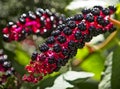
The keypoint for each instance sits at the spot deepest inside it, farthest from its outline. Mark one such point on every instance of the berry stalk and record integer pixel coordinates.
(66, 39)
(115, 22)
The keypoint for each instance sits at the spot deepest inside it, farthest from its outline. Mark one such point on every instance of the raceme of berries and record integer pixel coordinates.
(6, 69)
(66, 39)
(41, 22)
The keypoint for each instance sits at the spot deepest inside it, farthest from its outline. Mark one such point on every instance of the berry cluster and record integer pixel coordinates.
(66, 39)
(41, 22)
(6, 69)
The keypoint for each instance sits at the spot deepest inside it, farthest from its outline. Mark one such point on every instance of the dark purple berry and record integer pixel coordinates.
(50, 40)
(80, 44)
(61, 39)
(82, 26)
(95, 11)
(100, 20)
(87, 37)
(92, 29)
(56, 33)
(34, 55)
(86, 11)
(78, 35)
(59, 62)
(71, 45)
(89, 17)
(51, 60)
(78, 17)
(99, 7)
(99, 31)
(57, 48)
(112, 8)
(72, 53)
(67, 31)
(71, 24)
(106, 11)
(65, 52)
(69, 19)
(61, 27)
(44, 47)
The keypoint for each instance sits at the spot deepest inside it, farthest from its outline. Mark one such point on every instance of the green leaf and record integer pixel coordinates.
(115, 81)
(95, 64)
(74, 77)
(81, 53)
(106, 77)
(66, 79)
(22, 57)
(60, 83)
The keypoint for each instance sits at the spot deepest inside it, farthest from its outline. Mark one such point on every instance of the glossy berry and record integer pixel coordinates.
(57, 48)
(59, 62)
(106, 11)
(82, 26)
(51, 60)
(61, 39)
(50, 40)
(78, 35)
(34, 55)
(80, 44)
(67, 38)
(67, 31)
(95, 11)
(55, 32)
(112, 8)
(61, 27)
(89, 18)
(100, 20)
(71, 24)
(99, 7)
(86, 11)
(78, 17)
(65, 52)
(71, 45)
(43, 47)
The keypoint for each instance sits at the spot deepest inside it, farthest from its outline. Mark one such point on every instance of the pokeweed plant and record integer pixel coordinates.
(68, 35)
